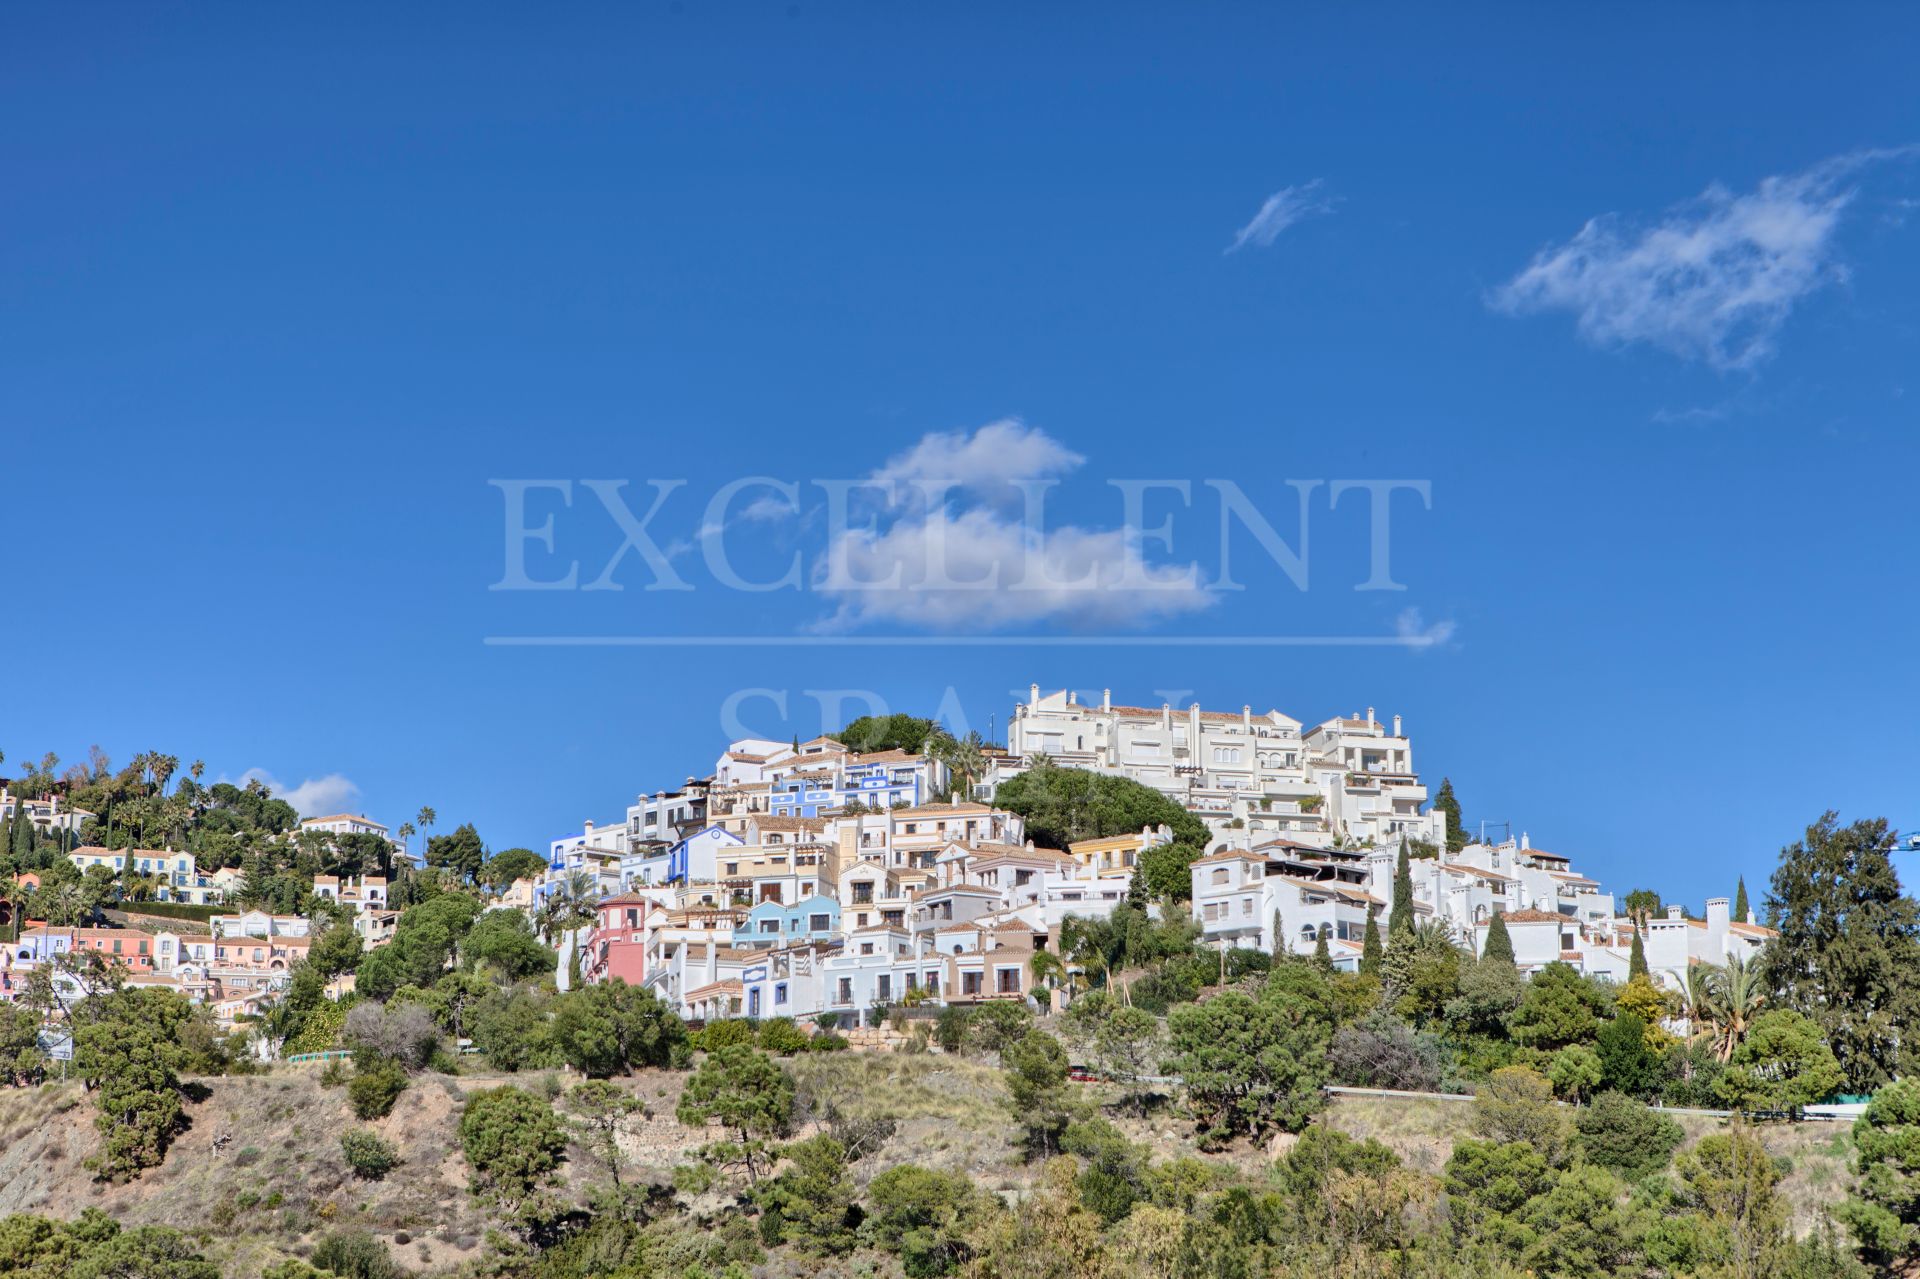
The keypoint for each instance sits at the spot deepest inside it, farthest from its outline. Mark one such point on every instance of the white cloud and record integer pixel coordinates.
(1714, 279)
(314, 797)
(1412, 628)
(976, 566)
(1282, 209)
(986, 462)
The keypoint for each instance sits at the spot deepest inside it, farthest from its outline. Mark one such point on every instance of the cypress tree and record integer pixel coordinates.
(1637, 959)
(1279, 942)
(1499, 942)
(1400, 919)
(1740, 903)
(1372, 951)
(1444, 801)
(1321, 955)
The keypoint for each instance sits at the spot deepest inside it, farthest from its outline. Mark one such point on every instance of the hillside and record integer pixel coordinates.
(259, 1175)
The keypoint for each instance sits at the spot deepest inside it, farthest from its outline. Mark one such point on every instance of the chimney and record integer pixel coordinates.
(1033, 694)
(1396, 727)
(1674, 912)
(1106, 699)
(1719, 915)
(1246, 719)
(1526, 844)
(1369, 717)
(1166, 717)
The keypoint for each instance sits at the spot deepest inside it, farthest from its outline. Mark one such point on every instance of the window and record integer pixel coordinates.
(933, 982)
(883, 988)
(1220, 875)
(1007, 981)
(818, 923)
(779, 994)
(846, 991)
(970, 983)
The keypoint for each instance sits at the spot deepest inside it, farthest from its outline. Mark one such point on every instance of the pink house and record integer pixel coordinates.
(617, 944)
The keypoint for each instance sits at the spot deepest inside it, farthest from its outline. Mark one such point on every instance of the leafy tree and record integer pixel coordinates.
(127, 1047)
(1783, 1065)
(1036, 1067)
(600, 1109)
(1627, 1064)
(1623, 1134)
(1516, 1105)
(1575, 1072)
(1884, 1212)
(95, 1246)
(502, 942)
(402, 1033)
(1400, 913)
(1371, 951)
(871, 733)
(460, 852)
(425, 943)
(512, 1027)
(1127, 1045)
(1444, 801)
(336, 950)
(369, 1155)
(1062, 805)
(923, 1217)
(1848, 953)
(21, 1061)
(1166, 871)
(499, 871)
(1499, 943)
(513, 1142)
(1561, 1007)
(810, 1204)
(748, 1094)
(1250, 1064)
(1488, 992)
(612, 1028)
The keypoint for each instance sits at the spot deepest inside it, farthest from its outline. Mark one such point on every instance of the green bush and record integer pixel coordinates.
(729, 1033)
(370, 1157)
(1618, 1132)
(373, 1092)
(783, 1037)
(355, 1254)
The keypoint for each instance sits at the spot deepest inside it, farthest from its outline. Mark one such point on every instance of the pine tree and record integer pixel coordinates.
(1740, 903)
(1444, 801)
(1400, 919)
(1499, 942)
(1372, 951)
(1637, 958)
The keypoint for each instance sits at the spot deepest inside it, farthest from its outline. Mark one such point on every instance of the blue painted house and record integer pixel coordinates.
(815, 919)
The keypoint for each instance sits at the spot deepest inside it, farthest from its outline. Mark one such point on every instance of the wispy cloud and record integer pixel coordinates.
(314, 797)
(1412, 627)
(1714, 279)
(1282, 209)
(974, 563)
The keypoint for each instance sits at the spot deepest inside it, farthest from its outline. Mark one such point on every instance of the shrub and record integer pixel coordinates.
(513, 1141)
(950, 1029)
(1384, 1052)
(829, 1042)
(370, 1157)
(373, 1092)
(729, 1033)
(783, 1037)
(1618, 1132)
(355, 1254)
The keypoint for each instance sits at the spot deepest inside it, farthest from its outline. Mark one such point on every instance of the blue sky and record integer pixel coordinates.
(281, 294)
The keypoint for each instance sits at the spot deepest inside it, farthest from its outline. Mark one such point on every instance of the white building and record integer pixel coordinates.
(1349, 780)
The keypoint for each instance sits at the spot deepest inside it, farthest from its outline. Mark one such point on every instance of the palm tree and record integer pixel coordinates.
(1697, 1002)
(198, 767)
(425, 818)
(406, 832)
(1047, 969)
(1738, 993)
(164, 767)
